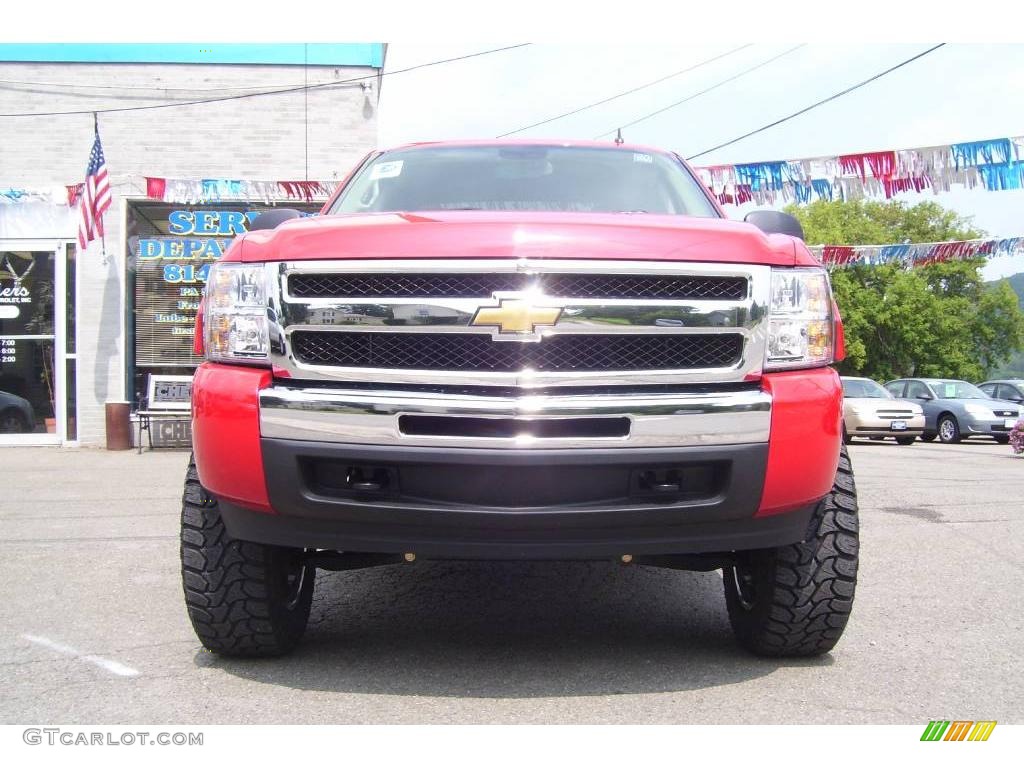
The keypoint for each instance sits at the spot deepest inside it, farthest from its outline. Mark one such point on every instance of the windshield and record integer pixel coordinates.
(950, 389)
(524, 178)
(864, 388)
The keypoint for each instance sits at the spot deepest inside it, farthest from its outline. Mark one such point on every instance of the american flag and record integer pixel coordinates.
(95, 198)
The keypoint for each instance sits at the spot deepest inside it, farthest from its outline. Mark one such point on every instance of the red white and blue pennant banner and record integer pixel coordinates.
(212, 190)
(916, 254)
(185, 191)
(992, 164)
(51, 195)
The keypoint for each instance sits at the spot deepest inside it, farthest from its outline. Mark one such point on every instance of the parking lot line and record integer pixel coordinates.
(114, 667)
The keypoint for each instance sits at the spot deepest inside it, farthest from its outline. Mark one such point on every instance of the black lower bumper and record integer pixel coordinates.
(512, 504)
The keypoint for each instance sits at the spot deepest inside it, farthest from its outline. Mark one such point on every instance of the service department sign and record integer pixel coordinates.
(171, 249)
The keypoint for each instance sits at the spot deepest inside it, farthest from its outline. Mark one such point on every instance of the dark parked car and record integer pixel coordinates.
(16, 414)
(1011, 390)
(954, 409)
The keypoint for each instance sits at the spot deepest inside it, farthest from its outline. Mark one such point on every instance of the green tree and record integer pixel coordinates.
(935, 320)
(986, 316)
(1014, 367)
(868, 222)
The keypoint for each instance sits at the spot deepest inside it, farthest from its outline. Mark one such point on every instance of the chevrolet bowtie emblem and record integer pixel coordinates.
(516, 316)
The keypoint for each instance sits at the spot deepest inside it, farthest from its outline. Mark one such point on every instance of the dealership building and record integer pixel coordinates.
(197, 140)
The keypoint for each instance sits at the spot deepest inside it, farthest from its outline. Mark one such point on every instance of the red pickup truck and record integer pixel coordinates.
(519, 350)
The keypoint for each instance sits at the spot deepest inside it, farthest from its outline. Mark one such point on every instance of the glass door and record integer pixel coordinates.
(33, 284)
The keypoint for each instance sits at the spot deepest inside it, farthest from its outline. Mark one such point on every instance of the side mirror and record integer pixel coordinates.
(926, 397)
(270, 219)
(775, 223)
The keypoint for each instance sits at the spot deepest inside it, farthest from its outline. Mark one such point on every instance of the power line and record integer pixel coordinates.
(291, 89)
(97, 86)
(140, 95)
(625, 93)
(710, 88)
(819, 103)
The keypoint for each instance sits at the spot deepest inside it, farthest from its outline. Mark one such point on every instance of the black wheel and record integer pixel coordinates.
(927, 437)
(1002, 439)
(244, 599)
(796, 600)
(13, 421)
(908, 440)
(846, 435)
(949, 430)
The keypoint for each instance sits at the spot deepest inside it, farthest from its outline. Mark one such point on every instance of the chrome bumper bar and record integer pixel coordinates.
(654, 420)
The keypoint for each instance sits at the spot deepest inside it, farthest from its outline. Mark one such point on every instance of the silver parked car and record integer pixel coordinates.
(870, 411)
(1011, 390)
(955, 409)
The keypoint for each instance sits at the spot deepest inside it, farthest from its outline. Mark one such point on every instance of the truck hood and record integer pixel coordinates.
(519, 235)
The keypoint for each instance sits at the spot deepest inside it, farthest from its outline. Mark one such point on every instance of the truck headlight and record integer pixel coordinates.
(235, 319)
(979, 411)
(800, 322)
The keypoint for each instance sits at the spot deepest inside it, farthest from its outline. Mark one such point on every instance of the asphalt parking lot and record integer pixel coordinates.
(93, 628)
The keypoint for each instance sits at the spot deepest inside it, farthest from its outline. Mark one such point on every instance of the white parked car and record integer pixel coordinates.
(870, 411)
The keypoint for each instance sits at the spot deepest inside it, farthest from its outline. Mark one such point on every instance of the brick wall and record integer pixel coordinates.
(263, 137)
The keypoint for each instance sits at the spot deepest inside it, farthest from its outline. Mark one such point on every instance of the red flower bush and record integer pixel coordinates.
(1017, 437)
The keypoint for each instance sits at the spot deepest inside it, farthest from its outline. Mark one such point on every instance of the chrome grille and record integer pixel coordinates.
(426, 285)
(476, 352)
(620, 322)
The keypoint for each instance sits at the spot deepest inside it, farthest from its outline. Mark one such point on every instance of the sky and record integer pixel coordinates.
(961, 92)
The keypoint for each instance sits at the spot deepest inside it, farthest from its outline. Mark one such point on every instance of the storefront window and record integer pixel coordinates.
(71, 263)
(27, 372)
(170, 249)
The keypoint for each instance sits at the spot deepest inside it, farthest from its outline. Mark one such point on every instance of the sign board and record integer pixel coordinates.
(169, 393)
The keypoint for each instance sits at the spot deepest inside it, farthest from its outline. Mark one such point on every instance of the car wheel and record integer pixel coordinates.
(244, 599)
(846, 435)
(1002, 439)
(949, 430)
(796, 600)
(905, 440)
(12, 422)
(927, 437)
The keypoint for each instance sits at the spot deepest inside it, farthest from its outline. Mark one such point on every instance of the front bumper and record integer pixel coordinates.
(493, 474)
(500, 418)
(987, 427)
(872, 426)
(514, 503)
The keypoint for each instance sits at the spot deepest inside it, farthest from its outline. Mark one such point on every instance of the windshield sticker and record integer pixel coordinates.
(950, 391)
(387, 170)
(640, 157)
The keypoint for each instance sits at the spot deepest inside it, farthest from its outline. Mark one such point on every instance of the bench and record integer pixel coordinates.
(168, 399)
